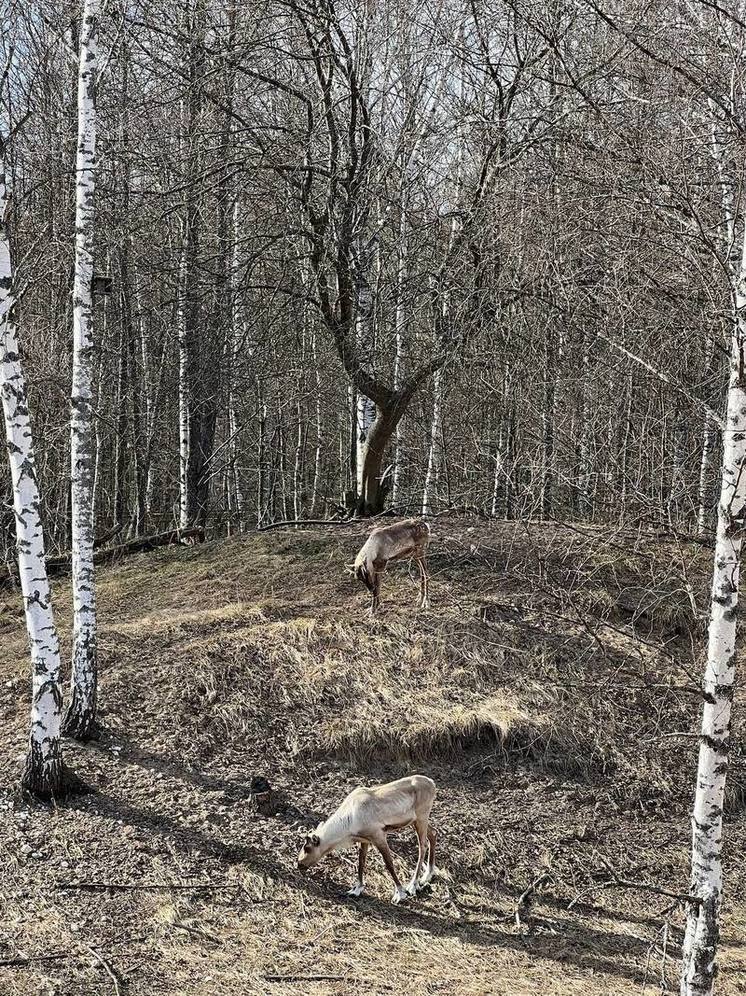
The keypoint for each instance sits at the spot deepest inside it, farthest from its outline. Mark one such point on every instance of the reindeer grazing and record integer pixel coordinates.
(366, 817)
(405, 540)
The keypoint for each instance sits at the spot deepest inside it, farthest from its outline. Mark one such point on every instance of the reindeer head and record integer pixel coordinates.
(310, 854)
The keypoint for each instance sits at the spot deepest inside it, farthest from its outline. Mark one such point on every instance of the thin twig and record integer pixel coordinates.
(107, 968)
(710, 412)
(308, 978)
(545, 876)
(144, 887)
(625, 883)
(30, 959)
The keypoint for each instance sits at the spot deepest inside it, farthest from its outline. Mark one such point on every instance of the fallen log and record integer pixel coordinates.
(62, 563)
(100, 541)
(305, 522)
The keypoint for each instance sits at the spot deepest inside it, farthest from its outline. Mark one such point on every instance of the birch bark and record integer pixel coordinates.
(366, 409)
(401, 274)
(80, 718)
(702, 927)
(435, 455)
(43, 771)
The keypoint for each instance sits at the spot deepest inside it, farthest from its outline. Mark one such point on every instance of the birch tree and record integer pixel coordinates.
(80, 718)
(702, 927)
(329, 152)
(43, 774)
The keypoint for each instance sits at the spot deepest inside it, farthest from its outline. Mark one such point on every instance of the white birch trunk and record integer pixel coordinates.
(433, 458)
(43, 773)
(366, 409)
(80, 718)
(401, 276)
(184, 398)
(319, 434)
(298, 463)
(704, 510)
(237, 332)
(702, 928)
(585, 502)
(498, 472)
(718, 149)
(436, 428)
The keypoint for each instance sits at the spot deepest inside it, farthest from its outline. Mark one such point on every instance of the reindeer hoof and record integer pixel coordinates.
(399, 895)
(426, 878)
(356, 890)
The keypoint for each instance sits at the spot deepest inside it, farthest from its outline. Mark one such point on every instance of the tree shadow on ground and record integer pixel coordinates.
(552, 936)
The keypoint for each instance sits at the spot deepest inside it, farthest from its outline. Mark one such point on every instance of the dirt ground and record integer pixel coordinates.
(549, 691)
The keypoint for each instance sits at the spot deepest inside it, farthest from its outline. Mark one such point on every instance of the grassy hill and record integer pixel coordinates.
(550, 691)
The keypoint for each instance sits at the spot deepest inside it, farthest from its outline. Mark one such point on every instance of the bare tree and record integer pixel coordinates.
(43, 774)
(80, 717)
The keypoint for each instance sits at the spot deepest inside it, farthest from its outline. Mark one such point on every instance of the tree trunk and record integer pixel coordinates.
(704, 490)
(237, 329)
(80, 718)
(401, 276)
(585, 501)
(43, 772)
(260, 456)
(547, 431)
(371, 496)
(366, 409)
(702, 927)
(626, 446)
(191, 397)
(434, 452)
(132, 341)
(318, 428)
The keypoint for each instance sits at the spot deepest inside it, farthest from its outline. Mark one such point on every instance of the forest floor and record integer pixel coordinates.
(550, 691)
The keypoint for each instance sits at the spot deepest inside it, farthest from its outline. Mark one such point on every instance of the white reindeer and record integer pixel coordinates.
(366, 817)
(405, 540)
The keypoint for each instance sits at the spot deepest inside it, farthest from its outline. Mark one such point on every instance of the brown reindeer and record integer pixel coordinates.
(366, 817)
(405, 540)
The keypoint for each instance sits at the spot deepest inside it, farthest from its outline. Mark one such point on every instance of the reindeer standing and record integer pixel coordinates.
(366, 817)
(405, 540)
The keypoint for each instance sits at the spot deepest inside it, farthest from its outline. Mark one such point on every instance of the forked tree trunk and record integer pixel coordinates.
(703, 916)
(80, 718)
(371, 496)
(43, 772)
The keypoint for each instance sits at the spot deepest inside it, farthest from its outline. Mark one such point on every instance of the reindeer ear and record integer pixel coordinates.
(315, 839)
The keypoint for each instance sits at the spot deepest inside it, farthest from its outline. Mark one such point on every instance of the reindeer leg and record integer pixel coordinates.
(362, 855)
(383, 846)
(376, 603)
(424, 586)
(420, 828)
(430, 870)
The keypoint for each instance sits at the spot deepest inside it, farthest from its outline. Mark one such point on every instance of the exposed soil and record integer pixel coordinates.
(550, 692)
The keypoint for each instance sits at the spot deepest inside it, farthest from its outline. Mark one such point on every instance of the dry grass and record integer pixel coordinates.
(547, 692)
